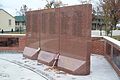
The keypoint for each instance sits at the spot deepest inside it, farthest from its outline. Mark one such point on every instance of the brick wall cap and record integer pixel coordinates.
(12, 34)
(113, 41)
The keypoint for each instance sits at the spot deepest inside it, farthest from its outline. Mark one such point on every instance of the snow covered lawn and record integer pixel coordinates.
(15, 67)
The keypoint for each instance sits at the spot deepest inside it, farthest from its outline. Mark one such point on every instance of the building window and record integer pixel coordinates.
(16, 23)
(9, 21)
(23, 23)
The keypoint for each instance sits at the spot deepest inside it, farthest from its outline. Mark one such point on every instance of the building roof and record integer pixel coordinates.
(6, 12)
(20, 18)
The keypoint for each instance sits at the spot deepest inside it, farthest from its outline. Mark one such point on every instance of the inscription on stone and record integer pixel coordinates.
(44, 16)
(77, 29)
(52, 23)
(64, 23)
(34, 23)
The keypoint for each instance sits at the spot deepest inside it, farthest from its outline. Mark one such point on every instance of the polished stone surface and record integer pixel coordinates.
(65, 31)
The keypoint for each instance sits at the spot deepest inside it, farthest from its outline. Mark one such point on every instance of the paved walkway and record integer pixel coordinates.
(15, 67)
(11, 71)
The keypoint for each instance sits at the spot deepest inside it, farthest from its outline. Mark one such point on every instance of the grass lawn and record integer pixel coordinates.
(116, 37)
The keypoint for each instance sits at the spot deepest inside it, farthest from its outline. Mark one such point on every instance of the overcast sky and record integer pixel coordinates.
(12, 6)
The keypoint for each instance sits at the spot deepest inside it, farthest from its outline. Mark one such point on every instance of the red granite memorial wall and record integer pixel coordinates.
(50, 39)
(75, 37)
(65, 31)
(50, 31)
(33, 29)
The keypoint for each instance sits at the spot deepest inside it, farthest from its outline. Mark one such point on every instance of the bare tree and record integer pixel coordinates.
(49, 4)
(54, 4)
(57, 4)
(111, 13)
(85, 1)
(93, 14)
(23, 9)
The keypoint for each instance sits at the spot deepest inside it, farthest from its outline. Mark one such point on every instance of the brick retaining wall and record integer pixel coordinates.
(98, 46)
(21, 43)
(108, 47)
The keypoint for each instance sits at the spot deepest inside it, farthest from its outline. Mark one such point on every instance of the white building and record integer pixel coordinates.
(7, 21)
(20, 23)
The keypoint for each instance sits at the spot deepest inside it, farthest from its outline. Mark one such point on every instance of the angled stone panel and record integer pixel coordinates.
(31, 53)
(46, 57)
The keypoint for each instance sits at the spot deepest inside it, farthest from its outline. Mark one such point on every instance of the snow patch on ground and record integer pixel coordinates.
(26, 69)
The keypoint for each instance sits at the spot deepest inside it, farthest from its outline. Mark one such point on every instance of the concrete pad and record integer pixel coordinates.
(10, 71)
(100, 69)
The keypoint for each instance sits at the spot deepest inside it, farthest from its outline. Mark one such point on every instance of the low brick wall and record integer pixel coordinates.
(112, 53)
(108, 47)
(98, 46)
(21, 42)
